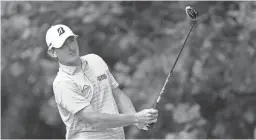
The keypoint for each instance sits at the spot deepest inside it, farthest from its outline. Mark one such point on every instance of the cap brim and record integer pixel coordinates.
(62, 41)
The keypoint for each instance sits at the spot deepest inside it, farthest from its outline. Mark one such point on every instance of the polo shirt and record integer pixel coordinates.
(75, 88)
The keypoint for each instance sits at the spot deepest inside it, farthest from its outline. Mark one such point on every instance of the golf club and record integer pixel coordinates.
(192, 14)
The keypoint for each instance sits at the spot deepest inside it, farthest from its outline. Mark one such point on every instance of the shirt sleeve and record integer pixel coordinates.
(101, 64)
(114, 84)
(71, 98)
(112, 80)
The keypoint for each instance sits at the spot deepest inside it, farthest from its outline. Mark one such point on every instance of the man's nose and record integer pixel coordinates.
(71, 48)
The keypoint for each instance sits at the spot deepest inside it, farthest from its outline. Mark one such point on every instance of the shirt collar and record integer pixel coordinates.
(71, 69)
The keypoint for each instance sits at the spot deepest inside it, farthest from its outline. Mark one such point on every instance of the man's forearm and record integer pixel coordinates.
(125, 105)
(123, 102)
(105, 120)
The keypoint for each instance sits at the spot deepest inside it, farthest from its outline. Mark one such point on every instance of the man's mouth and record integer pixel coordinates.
(72, 53)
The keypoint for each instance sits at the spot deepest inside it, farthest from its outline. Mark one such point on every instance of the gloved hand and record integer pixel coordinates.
(141, 126)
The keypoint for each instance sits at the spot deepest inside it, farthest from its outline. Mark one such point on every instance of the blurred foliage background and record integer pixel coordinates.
(212, 91)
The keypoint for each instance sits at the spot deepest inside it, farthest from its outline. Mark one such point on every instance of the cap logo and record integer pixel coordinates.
(60, 31)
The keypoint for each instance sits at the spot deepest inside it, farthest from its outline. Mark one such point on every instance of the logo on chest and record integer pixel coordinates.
(86, 91)
(102, 77)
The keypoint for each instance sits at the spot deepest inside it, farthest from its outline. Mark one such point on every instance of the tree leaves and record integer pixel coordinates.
(184, 113)
(16, 69)
(49, 112)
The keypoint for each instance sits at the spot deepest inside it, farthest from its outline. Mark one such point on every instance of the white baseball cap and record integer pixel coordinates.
(57, 34)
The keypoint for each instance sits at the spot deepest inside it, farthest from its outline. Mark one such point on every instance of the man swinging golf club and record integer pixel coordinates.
(88, 98)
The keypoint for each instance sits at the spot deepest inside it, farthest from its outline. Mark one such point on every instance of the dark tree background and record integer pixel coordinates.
(212, 93)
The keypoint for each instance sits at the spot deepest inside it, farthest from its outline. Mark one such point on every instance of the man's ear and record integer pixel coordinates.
(52, 53)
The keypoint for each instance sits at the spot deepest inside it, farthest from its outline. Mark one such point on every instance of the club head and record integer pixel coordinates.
(192, 13)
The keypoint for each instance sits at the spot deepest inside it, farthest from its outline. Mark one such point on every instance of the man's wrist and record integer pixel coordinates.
(135, 118)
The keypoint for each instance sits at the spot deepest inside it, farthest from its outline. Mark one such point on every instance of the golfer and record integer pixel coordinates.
(88, 98)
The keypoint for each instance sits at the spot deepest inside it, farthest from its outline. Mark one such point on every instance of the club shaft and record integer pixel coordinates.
(170, 73)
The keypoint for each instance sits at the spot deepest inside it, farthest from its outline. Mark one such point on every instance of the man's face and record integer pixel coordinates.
(69, 52)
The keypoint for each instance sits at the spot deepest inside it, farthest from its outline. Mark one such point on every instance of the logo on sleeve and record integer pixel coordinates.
(102, 77)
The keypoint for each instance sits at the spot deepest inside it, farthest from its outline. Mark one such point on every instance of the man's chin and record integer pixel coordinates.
(75, 58)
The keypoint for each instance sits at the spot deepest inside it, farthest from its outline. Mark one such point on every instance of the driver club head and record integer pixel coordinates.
(192, 13)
